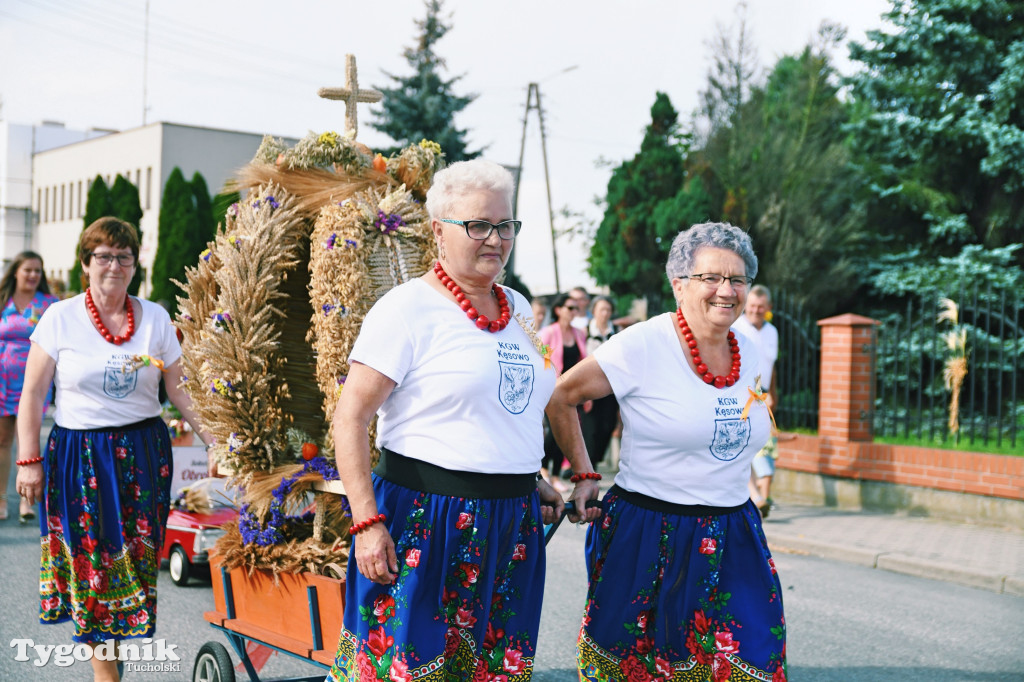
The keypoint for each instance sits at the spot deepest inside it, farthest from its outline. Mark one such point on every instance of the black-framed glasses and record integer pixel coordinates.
(481, 229)
(714, 280)
(123, 259)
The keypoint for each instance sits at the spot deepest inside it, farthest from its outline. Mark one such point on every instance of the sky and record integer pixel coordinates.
(256, 66)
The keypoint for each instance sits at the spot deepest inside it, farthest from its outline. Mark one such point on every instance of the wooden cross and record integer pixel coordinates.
(351, 95)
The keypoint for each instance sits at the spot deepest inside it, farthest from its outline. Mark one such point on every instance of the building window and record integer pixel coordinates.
(149, 187)
(39, 204)
(53, 209)
(138, 179)
(79, 198)
(62, 190)
(46, 205)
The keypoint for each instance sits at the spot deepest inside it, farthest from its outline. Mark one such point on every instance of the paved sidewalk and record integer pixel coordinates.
(977, 556)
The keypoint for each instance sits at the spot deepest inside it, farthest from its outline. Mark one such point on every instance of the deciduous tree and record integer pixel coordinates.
(939, 125)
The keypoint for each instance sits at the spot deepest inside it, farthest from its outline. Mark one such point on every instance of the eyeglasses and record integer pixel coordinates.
(714, 280)
(123, 259)
(481, 229)
(570, 307)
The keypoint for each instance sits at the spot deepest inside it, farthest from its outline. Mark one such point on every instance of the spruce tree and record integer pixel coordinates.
(221, 203)
(177, 220)
(423, 104)
(126, 206)
(205, 226)
(98, 203)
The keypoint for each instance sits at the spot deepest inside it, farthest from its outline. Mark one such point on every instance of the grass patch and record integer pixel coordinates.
(963, 445)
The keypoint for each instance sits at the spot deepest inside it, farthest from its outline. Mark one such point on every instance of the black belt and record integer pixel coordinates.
(430, 478)
(134, 426)
(656, 505)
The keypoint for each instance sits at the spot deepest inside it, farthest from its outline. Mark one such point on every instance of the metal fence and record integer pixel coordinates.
(911, 399)
(796, 369)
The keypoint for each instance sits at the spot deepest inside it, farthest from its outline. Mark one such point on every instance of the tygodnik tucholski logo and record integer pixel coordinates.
(145, 655)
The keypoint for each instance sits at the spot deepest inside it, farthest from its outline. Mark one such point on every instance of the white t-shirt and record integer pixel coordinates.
(466, 399)
(683, 440)
(92, 389)
(767, 340)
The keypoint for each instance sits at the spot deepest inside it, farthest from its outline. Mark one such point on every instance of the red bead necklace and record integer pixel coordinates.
(479, 320)
(702, 369)
(98, 321)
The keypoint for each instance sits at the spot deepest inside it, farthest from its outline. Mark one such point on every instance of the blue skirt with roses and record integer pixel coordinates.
(680, 593)
(467, 601)
(101, 521)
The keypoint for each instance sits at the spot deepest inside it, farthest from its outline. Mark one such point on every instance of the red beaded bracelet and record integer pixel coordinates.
(363, 525)
(25, 462)
(593, 476)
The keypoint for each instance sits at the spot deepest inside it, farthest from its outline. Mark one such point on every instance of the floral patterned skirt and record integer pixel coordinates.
(680, 596)
(101, 522)
(467, 600)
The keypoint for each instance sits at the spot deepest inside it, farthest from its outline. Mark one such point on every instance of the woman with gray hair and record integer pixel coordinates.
(681, 579)
(446, 572)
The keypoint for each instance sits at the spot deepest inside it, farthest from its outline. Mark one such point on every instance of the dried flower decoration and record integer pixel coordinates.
(221, 386)
(137, 362)
(955, 370)
(388, 222)
(221, 318)
(531, 331)
(328, 138)
(430, 146)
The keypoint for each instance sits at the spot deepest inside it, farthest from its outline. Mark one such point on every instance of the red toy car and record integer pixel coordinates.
(190, 534)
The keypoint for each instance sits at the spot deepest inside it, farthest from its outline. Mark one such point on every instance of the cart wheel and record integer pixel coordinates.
(179, 566)
(213, 664)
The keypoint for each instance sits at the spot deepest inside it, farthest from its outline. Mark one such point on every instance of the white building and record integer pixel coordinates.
(145, 156)
(18, 145)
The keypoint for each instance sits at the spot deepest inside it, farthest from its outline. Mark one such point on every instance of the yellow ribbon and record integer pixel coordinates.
(758, 397)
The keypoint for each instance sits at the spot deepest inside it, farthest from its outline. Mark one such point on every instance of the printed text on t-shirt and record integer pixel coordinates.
(511, 351)
(731, 411)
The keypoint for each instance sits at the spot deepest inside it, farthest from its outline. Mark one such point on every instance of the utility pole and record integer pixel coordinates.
(533, 102)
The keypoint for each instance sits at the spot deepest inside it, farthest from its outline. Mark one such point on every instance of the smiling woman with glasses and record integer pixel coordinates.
(448, 548)
(103, 481)
(681, 577)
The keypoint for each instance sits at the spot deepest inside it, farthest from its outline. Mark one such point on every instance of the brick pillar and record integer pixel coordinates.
(846, 388)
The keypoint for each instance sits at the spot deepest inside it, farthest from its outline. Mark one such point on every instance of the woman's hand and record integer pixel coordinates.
(375, 554)
(585, 491)
(551, 503)
(30, 482)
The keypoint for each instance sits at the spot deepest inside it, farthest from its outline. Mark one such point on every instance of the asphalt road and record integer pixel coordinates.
(846, 622)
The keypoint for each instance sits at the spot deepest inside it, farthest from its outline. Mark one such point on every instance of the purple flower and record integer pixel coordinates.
(254, 533)
(329, 244)
(273, 202)
(350, 244)
(327, 308)
(388, 222)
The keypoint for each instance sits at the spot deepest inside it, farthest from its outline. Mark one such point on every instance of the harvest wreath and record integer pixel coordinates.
(268, 318)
